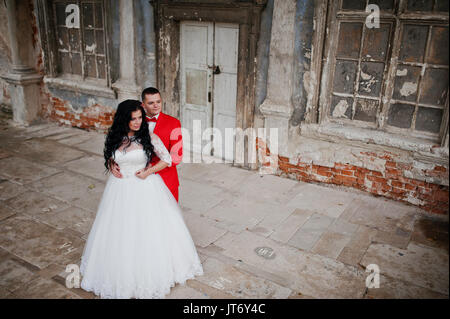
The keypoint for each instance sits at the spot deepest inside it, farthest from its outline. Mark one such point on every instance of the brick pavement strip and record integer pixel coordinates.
(321, 237)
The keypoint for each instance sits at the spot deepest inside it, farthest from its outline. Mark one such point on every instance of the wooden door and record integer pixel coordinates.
(209, 57)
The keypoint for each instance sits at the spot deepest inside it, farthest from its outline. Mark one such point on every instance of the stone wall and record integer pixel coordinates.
(5, 55)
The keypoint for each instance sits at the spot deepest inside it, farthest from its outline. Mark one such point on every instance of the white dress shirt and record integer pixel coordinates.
(151, 125)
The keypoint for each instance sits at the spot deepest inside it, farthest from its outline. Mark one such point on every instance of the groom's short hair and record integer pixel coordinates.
(150, 90)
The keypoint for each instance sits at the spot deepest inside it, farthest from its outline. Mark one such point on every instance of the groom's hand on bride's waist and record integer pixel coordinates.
(144, 172)
(115, 170)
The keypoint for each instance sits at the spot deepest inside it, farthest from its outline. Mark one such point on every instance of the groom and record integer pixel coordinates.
(168, 129)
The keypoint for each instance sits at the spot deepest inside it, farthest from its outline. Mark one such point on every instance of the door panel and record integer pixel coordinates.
(196, 49)
(226, 42)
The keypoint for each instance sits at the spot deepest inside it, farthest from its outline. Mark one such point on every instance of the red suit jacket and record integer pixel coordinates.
(168, 129)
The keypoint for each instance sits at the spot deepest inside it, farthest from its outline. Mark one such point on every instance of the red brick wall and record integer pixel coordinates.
(95, 117)
(432, 198)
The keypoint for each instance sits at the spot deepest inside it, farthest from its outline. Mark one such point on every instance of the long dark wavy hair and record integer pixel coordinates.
(120, 128)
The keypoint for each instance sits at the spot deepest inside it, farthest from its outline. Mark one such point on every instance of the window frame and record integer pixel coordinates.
(48, 30)
(398, 16)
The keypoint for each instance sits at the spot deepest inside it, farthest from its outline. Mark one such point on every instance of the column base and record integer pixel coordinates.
(25, 96)
(126, 90)
(276, 116)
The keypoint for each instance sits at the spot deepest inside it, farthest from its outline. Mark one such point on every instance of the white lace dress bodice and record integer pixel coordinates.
(131, 157)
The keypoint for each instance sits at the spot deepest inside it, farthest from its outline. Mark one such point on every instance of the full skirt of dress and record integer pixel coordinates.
(139, 245)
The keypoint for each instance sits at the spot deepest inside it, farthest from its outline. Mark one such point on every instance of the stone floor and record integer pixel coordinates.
(257, 236)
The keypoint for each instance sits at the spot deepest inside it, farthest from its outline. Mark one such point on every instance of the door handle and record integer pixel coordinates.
(209, 97)
(216, 69)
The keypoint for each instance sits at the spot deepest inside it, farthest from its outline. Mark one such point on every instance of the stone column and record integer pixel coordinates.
(277, 108)
(126, 86)
(24, 81)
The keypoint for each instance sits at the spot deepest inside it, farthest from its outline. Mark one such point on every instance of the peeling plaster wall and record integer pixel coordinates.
(114, 38)
(263, 60)
(302, 50)
(5, 54)
(146, 45)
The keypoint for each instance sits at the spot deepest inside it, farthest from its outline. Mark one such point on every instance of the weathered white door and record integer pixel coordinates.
(196, 53)
(208, 84)
(226, 39)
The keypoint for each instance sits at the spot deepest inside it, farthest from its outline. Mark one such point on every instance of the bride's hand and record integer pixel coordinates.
(143, 173)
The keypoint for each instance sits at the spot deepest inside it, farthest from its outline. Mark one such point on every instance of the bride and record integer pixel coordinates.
(139, 245)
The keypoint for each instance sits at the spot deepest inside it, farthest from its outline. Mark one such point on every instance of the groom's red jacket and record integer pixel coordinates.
(168, 129)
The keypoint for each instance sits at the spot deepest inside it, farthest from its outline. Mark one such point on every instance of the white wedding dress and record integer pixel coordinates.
(139, 245)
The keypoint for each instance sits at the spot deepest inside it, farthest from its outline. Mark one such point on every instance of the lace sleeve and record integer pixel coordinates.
(160, 149)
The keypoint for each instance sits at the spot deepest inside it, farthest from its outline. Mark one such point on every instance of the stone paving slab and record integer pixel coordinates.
(288, 227)
(47, 152)
(216, 252)
(62, 135)
(224, 176)
(310, 232)
(49, 132)
(268, 188)
(203, 232)
(208, 291)
(310, 274)
(354, 251)
(238, 284)
(74, 218)
(35, 203)
(92, 166)
(78, 138)
(38, 127)
(27, 131)
(396, 289)
(191, 171)
(38, 244)
(385, 216)
(331, 244)
(244, 213)
(343, 227)
(8, 190)
(311, 197)
(189, 196)
(419, 265)
(360, 205)
(42, 288)
(24, 171)
(6, 294)
(79, 190)
(218, 175)
(186, 292)
(94, 144)
(400, 238)
(13, 275)
(431, 232)
(4, 153)
(5, 211)
(271, 221)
